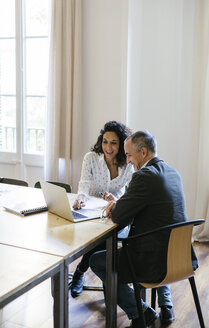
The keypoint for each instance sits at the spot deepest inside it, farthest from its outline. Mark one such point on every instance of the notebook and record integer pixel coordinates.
(58, 202)
(24, 201)
(23, 210)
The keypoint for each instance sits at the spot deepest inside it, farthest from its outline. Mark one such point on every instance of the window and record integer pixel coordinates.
(23, 75)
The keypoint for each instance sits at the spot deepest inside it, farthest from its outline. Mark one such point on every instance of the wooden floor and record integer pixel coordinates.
(34, 309)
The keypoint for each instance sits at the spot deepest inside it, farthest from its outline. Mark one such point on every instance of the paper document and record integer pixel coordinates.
(94, 203)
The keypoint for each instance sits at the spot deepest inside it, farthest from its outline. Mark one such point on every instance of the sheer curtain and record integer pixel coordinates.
(202, 45)
(64, 93)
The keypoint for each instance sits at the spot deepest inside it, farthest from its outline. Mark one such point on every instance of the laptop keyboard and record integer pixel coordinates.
(78, 216)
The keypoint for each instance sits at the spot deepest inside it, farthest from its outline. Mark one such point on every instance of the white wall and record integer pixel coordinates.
(160, 91)
(105, 28)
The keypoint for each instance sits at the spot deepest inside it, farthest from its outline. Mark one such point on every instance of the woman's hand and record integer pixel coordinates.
(108, 196)
(80, 202)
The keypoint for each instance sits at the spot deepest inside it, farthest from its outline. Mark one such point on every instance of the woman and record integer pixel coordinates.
(104, 171)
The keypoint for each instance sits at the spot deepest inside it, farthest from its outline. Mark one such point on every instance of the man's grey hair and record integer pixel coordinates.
(143, 139)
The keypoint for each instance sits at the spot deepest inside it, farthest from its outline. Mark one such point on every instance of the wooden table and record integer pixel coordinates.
(50, 234)
(23, 269)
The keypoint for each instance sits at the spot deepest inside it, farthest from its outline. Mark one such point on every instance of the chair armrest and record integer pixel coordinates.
(167, 227)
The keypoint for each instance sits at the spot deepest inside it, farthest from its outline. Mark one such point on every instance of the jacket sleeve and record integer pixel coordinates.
(132, 202)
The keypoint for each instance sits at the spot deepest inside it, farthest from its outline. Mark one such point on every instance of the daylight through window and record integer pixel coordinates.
(23, 74)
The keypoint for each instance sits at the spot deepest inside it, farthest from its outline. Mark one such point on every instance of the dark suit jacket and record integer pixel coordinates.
(154, 198)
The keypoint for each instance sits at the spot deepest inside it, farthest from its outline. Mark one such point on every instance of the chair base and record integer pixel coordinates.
(95, 288)
(195, 296)
(197, 302)
(98, 288)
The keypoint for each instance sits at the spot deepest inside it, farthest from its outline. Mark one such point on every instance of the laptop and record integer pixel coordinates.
(58, 202)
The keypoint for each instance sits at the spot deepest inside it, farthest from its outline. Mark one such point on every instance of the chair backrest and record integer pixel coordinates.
(67, 186)
(179, 261)
(179, 252)
(14, 181)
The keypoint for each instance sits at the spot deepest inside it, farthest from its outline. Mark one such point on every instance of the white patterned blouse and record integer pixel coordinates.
(95, 177)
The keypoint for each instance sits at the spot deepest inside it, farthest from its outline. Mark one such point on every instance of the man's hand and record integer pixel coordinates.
(108, 196)
(109, 207)
(79, 202)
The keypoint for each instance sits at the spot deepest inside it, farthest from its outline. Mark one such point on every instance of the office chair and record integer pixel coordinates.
(13, 181)
(67, 186)
(179, 264)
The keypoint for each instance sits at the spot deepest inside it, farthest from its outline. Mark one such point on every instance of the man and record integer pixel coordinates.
(154, 198)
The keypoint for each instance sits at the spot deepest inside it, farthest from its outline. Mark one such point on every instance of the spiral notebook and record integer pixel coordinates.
(24, 209)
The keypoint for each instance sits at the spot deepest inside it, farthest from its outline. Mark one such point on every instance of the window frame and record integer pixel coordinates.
(20, 156)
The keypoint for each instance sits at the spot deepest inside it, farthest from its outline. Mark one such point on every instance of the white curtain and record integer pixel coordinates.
(64, 93)
(201, 233)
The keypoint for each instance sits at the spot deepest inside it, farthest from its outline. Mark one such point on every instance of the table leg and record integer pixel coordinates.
(66, 320)
(58, 293)
(111, 282)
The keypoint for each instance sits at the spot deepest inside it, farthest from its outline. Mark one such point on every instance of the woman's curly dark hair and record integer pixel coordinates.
(122, 132)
